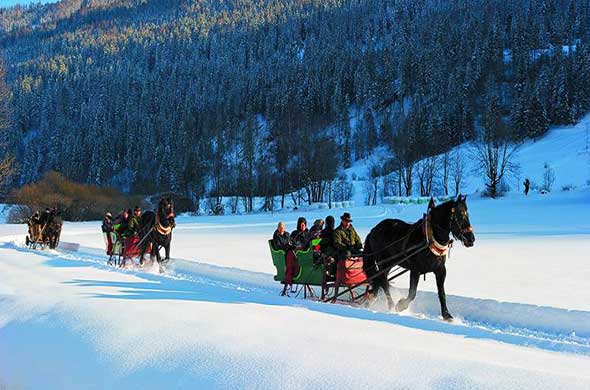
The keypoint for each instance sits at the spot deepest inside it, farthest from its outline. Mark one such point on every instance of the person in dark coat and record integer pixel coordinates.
(122, 222)
(527, 185)
(107, 223)
(327, 246)
(346, 239)
(281, 238)
(300, 237)
(327, 236)
(133, 227)
(45, 216)
(107, 229)
(316, 229)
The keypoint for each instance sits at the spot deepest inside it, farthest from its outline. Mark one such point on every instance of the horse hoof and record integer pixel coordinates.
(447, 317)
(401, 305)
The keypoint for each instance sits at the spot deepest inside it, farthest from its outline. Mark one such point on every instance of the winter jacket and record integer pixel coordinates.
(281, 241)
(327, 243)
(300, 239)
(133, 227)
(107, 225)
(120, 225)
(315, 231)
(347, 242)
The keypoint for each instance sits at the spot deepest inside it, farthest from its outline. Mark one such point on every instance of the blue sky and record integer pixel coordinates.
(8, 3)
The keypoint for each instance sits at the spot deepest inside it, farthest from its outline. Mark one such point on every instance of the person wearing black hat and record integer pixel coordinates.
(346, 239)
(300, 238)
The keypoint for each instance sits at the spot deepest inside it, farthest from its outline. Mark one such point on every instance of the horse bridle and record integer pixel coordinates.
(462, 231)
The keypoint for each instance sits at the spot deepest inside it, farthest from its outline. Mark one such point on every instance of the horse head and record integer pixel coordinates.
(166, 210)
(460, 224)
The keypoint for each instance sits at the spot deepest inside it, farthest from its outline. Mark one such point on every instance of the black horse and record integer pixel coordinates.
(426, 242)
(155, 228)
(52, 230)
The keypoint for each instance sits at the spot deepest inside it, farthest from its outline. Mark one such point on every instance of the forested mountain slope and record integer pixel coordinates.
(262, 97)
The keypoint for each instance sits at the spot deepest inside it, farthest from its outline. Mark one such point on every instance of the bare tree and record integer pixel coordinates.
(372, 184)
(445, 165)
(426, 170)
(494, 160)
(494, 151)
(458, 170)
(342, 188)
(548, 177)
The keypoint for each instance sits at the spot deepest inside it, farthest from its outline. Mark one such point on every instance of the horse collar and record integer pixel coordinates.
(437, 249)
(161, 229)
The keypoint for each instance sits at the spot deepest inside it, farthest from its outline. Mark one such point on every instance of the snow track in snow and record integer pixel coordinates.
(547, 328)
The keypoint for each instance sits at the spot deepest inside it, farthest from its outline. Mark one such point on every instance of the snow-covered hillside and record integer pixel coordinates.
(566, 149)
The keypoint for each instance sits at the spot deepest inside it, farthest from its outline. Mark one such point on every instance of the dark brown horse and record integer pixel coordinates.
(155, 228)
(392, 240)
(52, 230)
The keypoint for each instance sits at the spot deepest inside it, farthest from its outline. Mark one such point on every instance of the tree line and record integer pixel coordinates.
(262, 98)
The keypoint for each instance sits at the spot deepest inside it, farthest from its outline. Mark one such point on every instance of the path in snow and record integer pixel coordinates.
(541, 327)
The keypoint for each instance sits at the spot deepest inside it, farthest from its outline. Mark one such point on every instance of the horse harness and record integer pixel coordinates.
(160, 228)
(437, 249)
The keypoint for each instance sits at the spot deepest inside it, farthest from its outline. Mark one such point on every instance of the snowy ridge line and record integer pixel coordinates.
(546, 328)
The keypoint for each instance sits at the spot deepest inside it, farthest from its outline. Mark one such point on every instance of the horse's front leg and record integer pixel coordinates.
(403, 303)
(142, 253)
(441, 275)
(156, 250)
(167, 249)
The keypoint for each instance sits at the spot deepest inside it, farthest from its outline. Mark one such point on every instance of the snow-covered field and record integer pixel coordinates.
(520, 298)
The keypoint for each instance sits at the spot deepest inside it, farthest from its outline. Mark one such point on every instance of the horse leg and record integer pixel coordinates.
(441, 275)
(142, 253)
(385, 286)
(403, 303)
(167, 249)
(158, 257)
(372, 292)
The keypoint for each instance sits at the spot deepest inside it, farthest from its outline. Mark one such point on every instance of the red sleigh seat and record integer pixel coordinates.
(350, 271)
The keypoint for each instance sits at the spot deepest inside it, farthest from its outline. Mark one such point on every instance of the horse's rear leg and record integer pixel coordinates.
(376, 284)
(403, 303)
(385, 286)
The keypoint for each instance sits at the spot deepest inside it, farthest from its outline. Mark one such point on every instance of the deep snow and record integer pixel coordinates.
(520, 299)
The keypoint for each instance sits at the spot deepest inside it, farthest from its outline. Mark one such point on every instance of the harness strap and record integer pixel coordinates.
(161, 229)
(435, 247)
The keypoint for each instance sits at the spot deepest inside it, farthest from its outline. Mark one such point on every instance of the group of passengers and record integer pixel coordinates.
(124, 225)
(336, 244)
